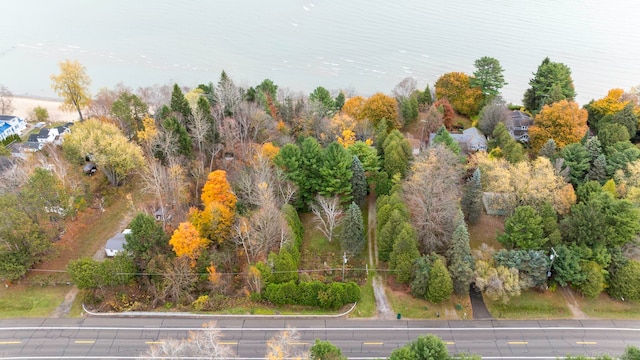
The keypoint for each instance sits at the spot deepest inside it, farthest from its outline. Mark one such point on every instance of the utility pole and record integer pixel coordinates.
(552, 257)
(344, 263)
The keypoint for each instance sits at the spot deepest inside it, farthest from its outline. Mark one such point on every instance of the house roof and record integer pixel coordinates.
(518, 118)
(4, 127)
(34, 145)
(7, 117)
(33, 138)
(116, 243)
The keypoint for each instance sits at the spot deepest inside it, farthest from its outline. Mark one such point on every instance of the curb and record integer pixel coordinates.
(133, 314)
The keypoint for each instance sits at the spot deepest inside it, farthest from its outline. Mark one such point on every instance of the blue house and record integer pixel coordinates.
(10, 125)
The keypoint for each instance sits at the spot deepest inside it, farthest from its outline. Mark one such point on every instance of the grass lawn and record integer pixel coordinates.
(367, 305)
(531, 305)
(605, 307)
(485, 230)
(31, 301)
(453, 308)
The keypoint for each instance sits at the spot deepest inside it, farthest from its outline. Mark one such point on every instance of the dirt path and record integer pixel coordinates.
(577, 314)
(382, 304)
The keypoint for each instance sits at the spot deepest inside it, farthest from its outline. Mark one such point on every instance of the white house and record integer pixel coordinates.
(44, 136)
(10, 125)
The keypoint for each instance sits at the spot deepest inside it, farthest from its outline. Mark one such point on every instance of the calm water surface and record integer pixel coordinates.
(368, 46)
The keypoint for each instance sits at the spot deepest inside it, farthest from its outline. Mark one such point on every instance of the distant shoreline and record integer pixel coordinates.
(24, 105)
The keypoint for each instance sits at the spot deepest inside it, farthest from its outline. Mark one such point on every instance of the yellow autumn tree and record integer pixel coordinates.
(353, 107)
(381, 107)
(612, 103)
(563, 121)
(347, 139)
(214, 222)
(269, 150)
(217, 189)
(149, 131)
(186, 241)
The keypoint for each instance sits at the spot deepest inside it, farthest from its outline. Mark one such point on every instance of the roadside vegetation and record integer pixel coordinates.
(261, 200)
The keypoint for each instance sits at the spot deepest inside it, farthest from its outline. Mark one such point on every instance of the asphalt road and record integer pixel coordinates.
(125, 338)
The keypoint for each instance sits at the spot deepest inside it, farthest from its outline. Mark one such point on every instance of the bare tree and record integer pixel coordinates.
(281, 346)
(432, 193)
(202, 344)
(155, 96)
(405, 88)
(14, 176)
(199, 127)
(328, 213)
(104, 99)
(265, 229)
(6, 101)
(261, 170)
(492, 114)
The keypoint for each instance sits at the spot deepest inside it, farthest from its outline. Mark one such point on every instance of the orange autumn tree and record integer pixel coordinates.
(563, 121)
(455, 87)
(217, 189)
(379, 107)
(353, 107)
(270, 150)
(214, 222)
(186, 241)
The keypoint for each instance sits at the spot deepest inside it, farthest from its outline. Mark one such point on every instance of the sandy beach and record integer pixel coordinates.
(25, 105)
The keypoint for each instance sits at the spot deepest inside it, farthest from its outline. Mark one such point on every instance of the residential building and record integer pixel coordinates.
(10, 125)
(518, 125)
(470, 141)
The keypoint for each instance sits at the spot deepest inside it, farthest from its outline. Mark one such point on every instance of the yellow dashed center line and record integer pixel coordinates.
(586, 342)
(10, 342)
(228, 343)
(517, 342)
(154, 342)
(85, 341)
(298, 343)
(372, 343)
(449, 343)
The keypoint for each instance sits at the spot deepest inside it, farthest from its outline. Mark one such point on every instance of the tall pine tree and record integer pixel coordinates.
(461, 261)
(180, 105)
(471, 202)
(404, 254)
(358, 181)
(353, 238)
(336, 172)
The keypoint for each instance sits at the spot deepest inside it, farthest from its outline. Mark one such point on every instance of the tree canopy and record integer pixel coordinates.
(551, 82)
(72, 85)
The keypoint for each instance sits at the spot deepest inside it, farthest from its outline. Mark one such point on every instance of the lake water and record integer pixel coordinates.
(367, 46)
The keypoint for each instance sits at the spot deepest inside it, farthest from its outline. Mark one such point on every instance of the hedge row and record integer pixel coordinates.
(11, 138)
(313, 293)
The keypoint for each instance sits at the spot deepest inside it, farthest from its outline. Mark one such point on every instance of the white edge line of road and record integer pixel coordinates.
(212, 316)
(409, 329)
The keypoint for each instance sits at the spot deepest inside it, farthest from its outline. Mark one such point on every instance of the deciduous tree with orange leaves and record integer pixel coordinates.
(217, 189)
(186, 241)
(353, 107)
(379, 107)
(456, 88)
(563, 121)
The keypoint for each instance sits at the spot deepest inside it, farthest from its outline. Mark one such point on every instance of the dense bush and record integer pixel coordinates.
(312, 293)
(87, 273)
(11, 138)
(625, 283)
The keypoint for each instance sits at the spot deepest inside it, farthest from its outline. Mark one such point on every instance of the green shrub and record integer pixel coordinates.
(594, 283)
(625, 283)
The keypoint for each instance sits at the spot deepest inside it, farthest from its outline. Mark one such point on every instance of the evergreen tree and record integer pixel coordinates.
(550, 227)
(339, 101)
(409, 110)
(388, 234)
(147, 238)
(488, 76)
(172, 125)
(353, 238)
(322, 97)
(425, 97)
(566, 266)
(358, 181)
(548, 150)
(550, 83)
(336, 172)
(627, 118)
(471, 202)
(576, 158)
(440, 284)
(310, 178)
(523, 230)
(395, 160)
(512, 150)
(598, 170)
(461, 261)
(422, 266)
(180, 105)
(404, 253)
(443, 137)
